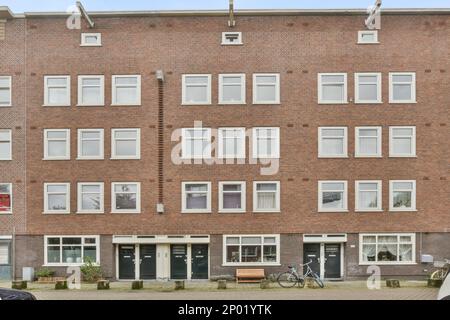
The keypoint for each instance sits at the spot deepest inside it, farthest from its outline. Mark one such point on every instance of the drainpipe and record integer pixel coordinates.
(13, 254)
(160, 78)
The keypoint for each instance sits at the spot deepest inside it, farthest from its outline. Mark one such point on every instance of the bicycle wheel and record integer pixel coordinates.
(301, 282)
(287, 280)
(438, 275)
(318, 280)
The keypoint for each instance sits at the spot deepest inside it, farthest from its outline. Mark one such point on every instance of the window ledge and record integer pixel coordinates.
(393, 156)
(90, 45)
(90, 212)
(90, 158)
(377, 42)
(240, 103)
(401, 210)
(57, 213)
(67, 264)
(333, 211)
(244, 264)
(55, 159)
(5, 106)
(268, 211)
(196, 104)
(232, 211)
(333, 157)
(256, 103)
(6, 213)
(126, 212)
(196, 211)
(320, 102)
(5, 159)
(90, 105)
(126, 105)
(402, 102)
(113, 158)
(369, 157)
(56, 105)
(368, 102)
(369, 211)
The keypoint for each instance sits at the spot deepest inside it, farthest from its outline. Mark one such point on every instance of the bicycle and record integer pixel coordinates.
(442, 271)
(290, 278)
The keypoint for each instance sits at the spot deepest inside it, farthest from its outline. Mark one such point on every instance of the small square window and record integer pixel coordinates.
(332, 142)
(402, 87)
(266, 143)
(57, 91)
(368, 195)
(5, 144)
(126, 90)
(367, 87)
(368, 37)
(402, 195)
(196, 197)
(57, 144)
(332, 88)
(232, 88)
(90, 144)
(196, 89)
(5, 91)
(57, 198)
(125, 143)
(231, 38)
(5, 198)
(332, 196)
(90, 197)
(91, 91)
(232, 196)
(196, 143)
(266, 196)
(91, 39)
(266, 88)
(402, 141)
(368, 142)
(231, 143)
(126, 197)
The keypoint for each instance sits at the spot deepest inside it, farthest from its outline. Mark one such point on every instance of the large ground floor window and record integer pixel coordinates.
(251, 249)
(387, 248)
(67, 250)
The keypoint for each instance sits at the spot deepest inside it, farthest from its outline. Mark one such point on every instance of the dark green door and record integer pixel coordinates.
(332, 261)
(311, 252)
(199, 261)
(178, 261)
(148, 261)
(126, 262)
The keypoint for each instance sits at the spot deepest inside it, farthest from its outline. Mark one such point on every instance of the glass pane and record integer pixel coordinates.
(232, 201)
(90, 188)
(332, 200)
(368, 186)
(405, 238)
(5, 150)
(387, 239)
(4, 82)
(387, 252)
(126, 81)
(90, 135)
(266, 93)
(266, 79)
(231, 147)
(369, 239)
(56, 148)
(56, 81)
(91, 95)
(368, 92)
(56, 134)
(270, 253)
(4, 135)
(266, 186)
(231, 93)
(367, 79)
(232, 240)
(402, 92)
(90, 201)
(53, 254)
(5, 96)
(368, 252)
(197, 94)
(125, 188)
(231, 80)
(405, 252)
(90, 148)
(403, 132)
(402, 145)
(368, 37)
(266, 200)
(126, 147)
(333, 132)
(90, 240)
(5, 202)
(251, 240)
(368, 146)
(125, 134)
(269, 240)
(5, 188)
(61, 188)
(251, 253)
(196, 201)
(333, 92)
(327, 186)
(402, 78)
(231, 187)
(368, 199)
(91, 253)
(402, 199)
(196, 187)
(233, 254)
(368, 132)
(126, 95)
(90, 39)
(403, 185)
(125, 201)
(71, 240)
(332, 146)
(53, 240)
(57, 202)
(264, 147)
(72, 254)
(91, 81)
(196, 80)
(57, 95)
(332, 78)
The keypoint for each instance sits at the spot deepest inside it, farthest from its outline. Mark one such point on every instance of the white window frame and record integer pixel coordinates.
(183, 90)
(379, 136)
(10, 199)
(243, 196)
(240, 236)
(80, 144)
(48, 211)
(413, 253)
(184, 208)
(46, 140)
(413, 87)
(320, 91)
(277, 88)
(321, 153)
(206, 153)
(222, 84)
(138, 198)
(9, 131)
(413, 195)
(379, 196)
(320, 196)
(67, 101)
(113, 143)
(413, 142)
(138, 90)
(85, 44)
(378, 83)
(240, 153)
(80, 197)
(225, 42)
(97, 245)
(102, 90)
(9, 87)
(277, 197)
(372, 32)
(255, 151)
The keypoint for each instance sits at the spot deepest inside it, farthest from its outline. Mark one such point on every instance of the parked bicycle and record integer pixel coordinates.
(443, 269)
(291, 278)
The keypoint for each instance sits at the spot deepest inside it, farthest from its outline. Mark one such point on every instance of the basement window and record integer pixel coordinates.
(231, 38)
(368, 37)
(91, 39)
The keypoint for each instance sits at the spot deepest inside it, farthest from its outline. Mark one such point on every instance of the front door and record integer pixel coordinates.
(332, 260)
(178, 261)
(311, 252)
(199, 261)
(148, 261)
(126, 262)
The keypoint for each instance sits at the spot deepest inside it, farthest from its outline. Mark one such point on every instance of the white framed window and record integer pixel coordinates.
(71, 250)
(402, 141)
(90, 144)
(57, 198)
(126, 143)
(91, 90)
(6, 198)
(332, 88)
(332, 196)
(368, 195)
(368, 142)
(251, 250)
(196, 197)
(266, 196)
(196, 143)
(402, 195)
(126, 90)
(232, 88)
(266, 88)
(387, 248)
(332, 142)
(91, 40)
(232, 196)
(5, 144)
(368, 37)
(266, 143)
(231, 38)
(126, 197)
(90, 197)
(57, 91)
(5, 252)
(368, 87)
(196, 89)
(56, 144)
(231, 143)
(402, 87)
(5, 91)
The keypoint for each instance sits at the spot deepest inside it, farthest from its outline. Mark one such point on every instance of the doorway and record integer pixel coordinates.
(200, 261)
(127, 262)
(147, 254)
(178, 261)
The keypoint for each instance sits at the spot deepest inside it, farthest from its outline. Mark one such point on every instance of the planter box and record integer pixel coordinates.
(45, 280)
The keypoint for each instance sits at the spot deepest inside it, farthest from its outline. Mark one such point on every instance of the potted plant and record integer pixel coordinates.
(45, 275)
(90, 271)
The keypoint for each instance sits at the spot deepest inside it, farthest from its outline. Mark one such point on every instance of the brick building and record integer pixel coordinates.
(295, 136)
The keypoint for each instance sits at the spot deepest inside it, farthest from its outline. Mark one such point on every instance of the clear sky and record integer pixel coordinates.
(99, 5)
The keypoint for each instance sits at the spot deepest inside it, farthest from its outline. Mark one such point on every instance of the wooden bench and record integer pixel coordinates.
(249, 275)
